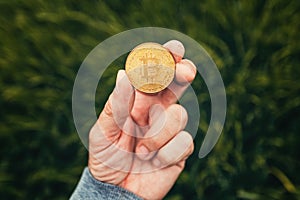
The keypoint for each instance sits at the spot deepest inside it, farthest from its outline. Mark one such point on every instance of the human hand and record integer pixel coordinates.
(138, 141)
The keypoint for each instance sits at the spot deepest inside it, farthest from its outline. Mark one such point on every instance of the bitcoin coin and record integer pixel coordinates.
(150, 67)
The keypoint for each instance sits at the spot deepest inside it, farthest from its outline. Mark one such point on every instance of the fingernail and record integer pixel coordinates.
(143, 150)
(185, 72)
(143, 153)
(191, 66)
(123, 84)
(176, 47)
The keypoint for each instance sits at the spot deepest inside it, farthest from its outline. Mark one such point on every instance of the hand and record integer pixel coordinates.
(138, 141)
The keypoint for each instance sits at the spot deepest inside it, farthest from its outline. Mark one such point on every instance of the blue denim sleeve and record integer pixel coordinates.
(89, 188)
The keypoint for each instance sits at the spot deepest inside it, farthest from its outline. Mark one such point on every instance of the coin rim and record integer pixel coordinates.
(150, 45)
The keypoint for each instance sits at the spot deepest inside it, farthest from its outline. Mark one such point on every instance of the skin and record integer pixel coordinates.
(138, 142)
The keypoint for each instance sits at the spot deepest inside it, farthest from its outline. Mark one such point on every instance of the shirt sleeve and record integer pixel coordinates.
(89, 188)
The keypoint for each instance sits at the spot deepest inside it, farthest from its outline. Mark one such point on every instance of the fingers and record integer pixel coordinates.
(165, 126)
(142, 104)
(185, 74)
(117, 108)
(176, 48)
(185, 69)
(176, 150)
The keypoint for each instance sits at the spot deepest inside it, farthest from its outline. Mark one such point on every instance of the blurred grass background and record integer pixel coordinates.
(255, 44)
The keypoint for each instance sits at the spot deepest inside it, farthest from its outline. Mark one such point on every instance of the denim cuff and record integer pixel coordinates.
(89, 188)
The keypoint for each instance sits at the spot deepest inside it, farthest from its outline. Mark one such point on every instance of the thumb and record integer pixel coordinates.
(117, 108)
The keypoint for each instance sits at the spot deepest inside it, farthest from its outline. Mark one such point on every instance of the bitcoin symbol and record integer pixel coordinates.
(150, 67)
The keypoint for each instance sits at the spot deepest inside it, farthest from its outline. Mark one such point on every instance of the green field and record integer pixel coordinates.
(255, 44)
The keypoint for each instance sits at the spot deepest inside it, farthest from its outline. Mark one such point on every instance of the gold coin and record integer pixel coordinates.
(150, 67)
